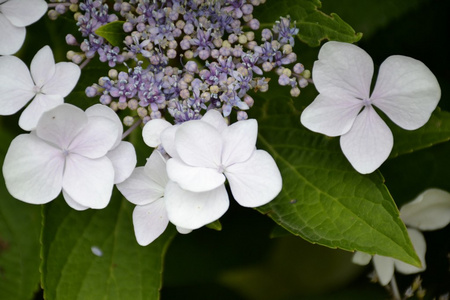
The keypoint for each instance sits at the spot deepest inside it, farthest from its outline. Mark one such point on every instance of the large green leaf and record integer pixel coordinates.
(113, 33)
(314, 26)
(20, 225)
(324, 200)
(94, 254)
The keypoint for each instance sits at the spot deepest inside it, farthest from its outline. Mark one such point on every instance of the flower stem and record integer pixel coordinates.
(129, 130)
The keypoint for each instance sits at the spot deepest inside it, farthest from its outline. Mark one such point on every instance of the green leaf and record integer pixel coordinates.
(94, 254)
(20, 225)
(113, 33)
(436, 130)
(324, 200)
(314, 26)
(216, 225)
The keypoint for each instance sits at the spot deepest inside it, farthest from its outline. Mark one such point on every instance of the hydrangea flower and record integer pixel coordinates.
(15, 15)
(203, 154)
(67, 152)
(429, 211)
(145, 188)
(48, 83)
(406, 91)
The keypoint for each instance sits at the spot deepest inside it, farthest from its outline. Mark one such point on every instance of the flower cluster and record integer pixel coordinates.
(188, 189)
(186, 57)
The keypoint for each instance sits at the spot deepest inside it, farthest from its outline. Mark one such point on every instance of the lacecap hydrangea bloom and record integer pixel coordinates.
(45, 82)
(202, 155)
(70, 151)
(428, 211)
(406, 91)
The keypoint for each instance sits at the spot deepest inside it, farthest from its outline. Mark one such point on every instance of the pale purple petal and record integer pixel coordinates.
(61, 124)
(140, 189)
(215, 119)
(239, 141)
(16, 85)
(256, 181)
(72, 203)
(42, 66)
(64, 79)
(96, 138)
(152, 131)
(420, 247)
(429, 211)
(199, 144)
(123, 158)
(406, 91)
(384, 266)
(368, 144)
(332, 116)
(11, 37)
(33, 169)
(361, 258)
(88, 182)
(150, 221)
(22, 13)
(99, 110)
(193, 210)
(343, 69)
(194, 179)
(33, 112)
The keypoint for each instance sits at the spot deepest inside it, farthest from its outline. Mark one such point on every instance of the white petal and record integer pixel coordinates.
(72, 203)
(384, 266)
(42, 66)
(256, 181)
(429, 211)
(344, 69)
(11, 37)
(150, 221)
(140, 189)
(88, 182)
(361, 258)
(99, 110)
(123, 158)
(194, 179)
(332, 116)
(215, 118)
(168, 140)
(406, 91)
(183, 230)
(239, 141)
(24, 12)
(152, 131)
(64, 79)
(194, 210)
(61, 124)
(33, 169)
(155, 168)
(420, 246)
(368, 144)
(16, 85)
(96, 138)
(199, 144)
(33, 112)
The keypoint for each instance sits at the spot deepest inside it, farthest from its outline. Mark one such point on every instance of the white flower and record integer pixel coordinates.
(48, 83)
(206, 152)
(429, 211)
(145, 188)
(406, 91)
(67, 152)
(14, 16)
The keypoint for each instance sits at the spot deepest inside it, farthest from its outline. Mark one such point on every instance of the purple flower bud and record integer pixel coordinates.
(185, 44)
(298, 68)
(204, 54)
(215, 53)
(105, 99)
(140, 27)
(191, 66)
(302, 82)
(91, 91)
(188, 28)
(266, 34)
(128, 27)
(249, 100)
(283, 80)
(60, 8)
(254, 24)
(242, 115)
(70, 40)
(247, 9)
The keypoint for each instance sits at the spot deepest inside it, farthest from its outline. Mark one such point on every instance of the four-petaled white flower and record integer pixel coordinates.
(429, 211)
(406, 91)
(145, 188)
(15, 15)
(67, 151)
(203, 154)
(48, 83)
